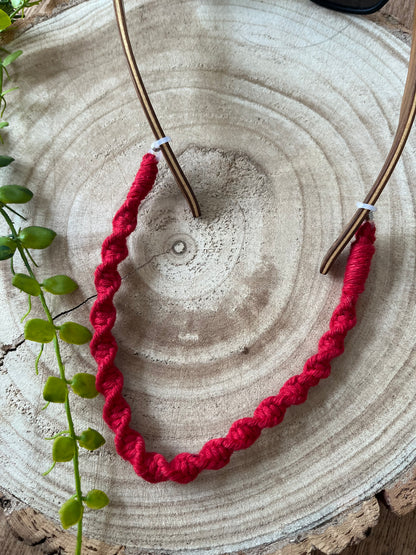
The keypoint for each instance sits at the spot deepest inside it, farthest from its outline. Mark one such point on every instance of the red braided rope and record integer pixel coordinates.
(216, 453)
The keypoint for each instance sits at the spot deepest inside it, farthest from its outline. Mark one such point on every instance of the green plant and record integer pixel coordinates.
(66, 444)
(10, 11)
(4, 63)
(17, 243)
(13, 10)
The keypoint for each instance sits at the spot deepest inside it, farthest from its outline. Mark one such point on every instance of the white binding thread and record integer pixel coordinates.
(155, 147)
(370, 207)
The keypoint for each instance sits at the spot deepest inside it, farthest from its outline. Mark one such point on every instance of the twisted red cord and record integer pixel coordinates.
(216, 453)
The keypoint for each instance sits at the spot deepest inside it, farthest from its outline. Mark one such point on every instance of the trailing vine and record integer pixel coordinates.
(10, 11)
(16, 247)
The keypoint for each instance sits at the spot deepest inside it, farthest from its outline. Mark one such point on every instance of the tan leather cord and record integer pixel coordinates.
(407, 115)
(150, 113)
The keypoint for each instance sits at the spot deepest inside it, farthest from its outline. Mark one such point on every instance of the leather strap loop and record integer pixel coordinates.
(150, 112)
(407, 115)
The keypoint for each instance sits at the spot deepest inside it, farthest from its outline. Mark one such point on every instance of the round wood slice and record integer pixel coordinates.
(281, 114)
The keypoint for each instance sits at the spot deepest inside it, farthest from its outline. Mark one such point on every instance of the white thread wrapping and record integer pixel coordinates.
(156, 145)
(366, 206)
(157, 154)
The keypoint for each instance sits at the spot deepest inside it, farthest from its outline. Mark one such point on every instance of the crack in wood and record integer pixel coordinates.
(65, 312)
(5, 349)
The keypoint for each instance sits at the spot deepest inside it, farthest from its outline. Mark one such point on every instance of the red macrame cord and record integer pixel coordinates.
(216, 453)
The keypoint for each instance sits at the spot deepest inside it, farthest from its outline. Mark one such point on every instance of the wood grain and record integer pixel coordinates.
(402, 10)
(392, 536)
(400, 497)
(333, 537)
(280, 120)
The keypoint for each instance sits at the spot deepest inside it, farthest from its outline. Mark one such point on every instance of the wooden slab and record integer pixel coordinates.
(281, 113)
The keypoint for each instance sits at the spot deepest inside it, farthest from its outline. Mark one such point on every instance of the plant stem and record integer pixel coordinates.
(24, 5)
(72, 434)
(61, 367)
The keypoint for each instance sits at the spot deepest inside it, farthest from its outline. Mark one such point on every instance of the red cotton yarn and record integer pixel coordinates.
(216, 453)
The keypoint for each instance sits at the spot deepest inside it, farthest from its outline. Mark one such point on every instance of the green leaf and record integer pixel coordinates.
(8, 91)
(5, 252)
(55, 390)
(70, 513)
(15, 194)
(5, 161)
(8, 242)
(16, 3)
(96, 499)
(91, 439)
(59, 285)
(36, 237)
(7, 247)
(5, 20)
(12, 57)
(63, 449)
(27, 284)
(74, 333)
(83, 384)
(39, 330)
(4, 124)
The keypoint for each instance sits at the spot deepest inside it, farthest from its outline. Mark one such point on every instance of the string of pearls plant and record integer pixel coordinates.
(16, 247)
